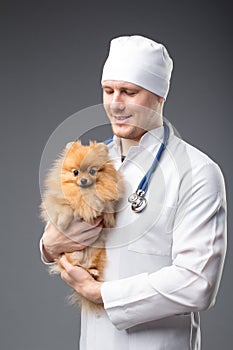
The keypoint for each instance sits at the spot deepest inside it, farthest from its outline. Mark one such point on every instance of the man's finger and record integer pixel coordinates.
(65, 263)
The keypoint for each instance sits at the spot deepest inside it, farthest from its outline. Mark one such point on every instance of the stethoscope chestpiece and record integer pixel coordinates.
(138, 201)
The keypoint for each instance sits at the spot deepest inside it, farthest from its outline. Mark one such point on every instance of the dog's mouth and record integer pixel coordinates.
(84, 183)
(85, 186)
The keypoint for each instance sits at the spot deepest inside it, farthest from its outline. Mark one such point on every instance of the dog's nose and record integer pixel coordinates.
(83, 181)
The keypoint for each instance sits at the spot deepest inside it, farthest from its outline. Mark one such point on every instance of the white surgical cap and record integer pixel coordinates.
(141, 61)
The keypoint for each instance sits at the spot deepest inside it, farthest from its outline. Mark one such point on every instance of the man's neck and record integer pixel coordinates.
(126, 144)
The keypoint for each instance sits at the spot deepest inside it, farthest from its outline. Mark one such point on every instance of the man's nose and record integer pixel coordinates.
(117, 103)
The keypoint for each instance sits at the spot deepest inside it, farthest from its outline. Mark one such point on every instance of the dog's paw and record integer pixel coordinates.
(64, 218)
(63, 222)
(94, 273)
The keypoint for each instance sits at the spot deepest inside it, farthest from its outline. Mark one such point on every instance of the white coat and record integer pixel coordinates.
(165, 263)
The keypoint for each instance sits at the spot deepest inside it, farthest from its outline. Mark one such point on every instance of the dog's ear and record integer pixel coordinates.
(77, 144)
(69, 145)
(101, 148)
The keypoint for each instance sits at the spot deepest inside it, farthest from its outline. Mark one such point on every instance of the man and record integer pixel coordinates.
(165, 262)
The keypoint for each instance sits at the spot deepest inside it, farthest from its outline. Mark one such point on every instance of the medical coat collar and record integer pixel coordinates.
(137, 199)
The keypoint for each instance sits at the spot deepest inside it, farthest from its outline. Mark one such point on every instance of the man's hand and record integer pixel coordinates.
(77, 236)
(80, 280)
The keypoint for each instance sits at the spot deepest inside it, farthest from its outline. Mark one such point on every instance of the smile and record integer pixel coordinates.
(120, 119)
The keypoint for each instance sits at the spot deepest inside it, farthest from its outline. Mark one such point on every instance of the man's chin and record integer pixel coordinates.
(128, 132)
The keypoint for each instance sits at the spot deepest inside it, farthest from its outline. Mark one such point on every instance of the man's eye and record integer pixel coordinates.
(75, 172)
(92, 172)
(108, 92)
(130, 93)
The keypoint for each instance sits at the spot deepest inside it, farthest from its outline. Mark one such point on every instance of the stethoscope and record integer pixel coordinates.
(137, 199)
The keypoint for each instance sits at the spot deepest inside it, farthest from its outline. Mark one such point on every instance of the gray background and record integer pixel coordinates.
(51, 58)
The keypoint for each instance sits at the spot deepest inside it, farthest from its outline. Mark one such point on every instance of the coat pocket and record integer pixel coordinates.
(157, 238)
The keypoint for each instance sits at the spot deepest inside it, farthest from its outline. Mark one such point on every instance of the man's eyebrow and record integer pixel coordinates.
(129, 87)
(121, 87)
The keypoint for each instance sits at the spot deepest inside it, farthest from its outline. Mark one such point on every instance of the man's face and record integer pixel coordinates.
(131, 109)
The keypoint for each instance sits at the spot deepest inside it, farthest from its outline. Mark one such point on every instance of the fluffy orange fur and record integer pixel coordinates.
(83, 182)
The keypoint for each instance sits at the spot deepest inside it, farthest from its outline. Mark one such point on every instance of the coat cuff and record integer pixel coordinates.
(124, 297)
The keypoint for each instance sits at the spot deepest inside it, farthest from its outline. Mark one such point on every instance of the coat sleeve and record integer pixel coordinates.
(43, 258)
(191, 282)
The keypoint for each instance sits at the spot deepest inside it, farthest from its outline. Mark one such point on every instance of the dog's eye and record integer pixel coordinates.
(75, 172)
(92, 172)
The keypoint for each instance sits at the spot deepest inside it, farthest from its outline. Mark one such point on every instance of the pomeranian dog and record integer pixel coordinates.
(83, 182)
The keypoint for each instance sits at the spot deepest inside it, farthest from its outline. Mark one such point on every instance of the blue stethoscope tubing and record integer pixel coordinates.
(137, 199)
(143, 185)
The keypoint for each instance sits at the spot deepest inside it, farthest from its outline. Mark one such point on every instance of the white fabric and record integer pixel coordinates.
(164, 264)
(140, 61)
